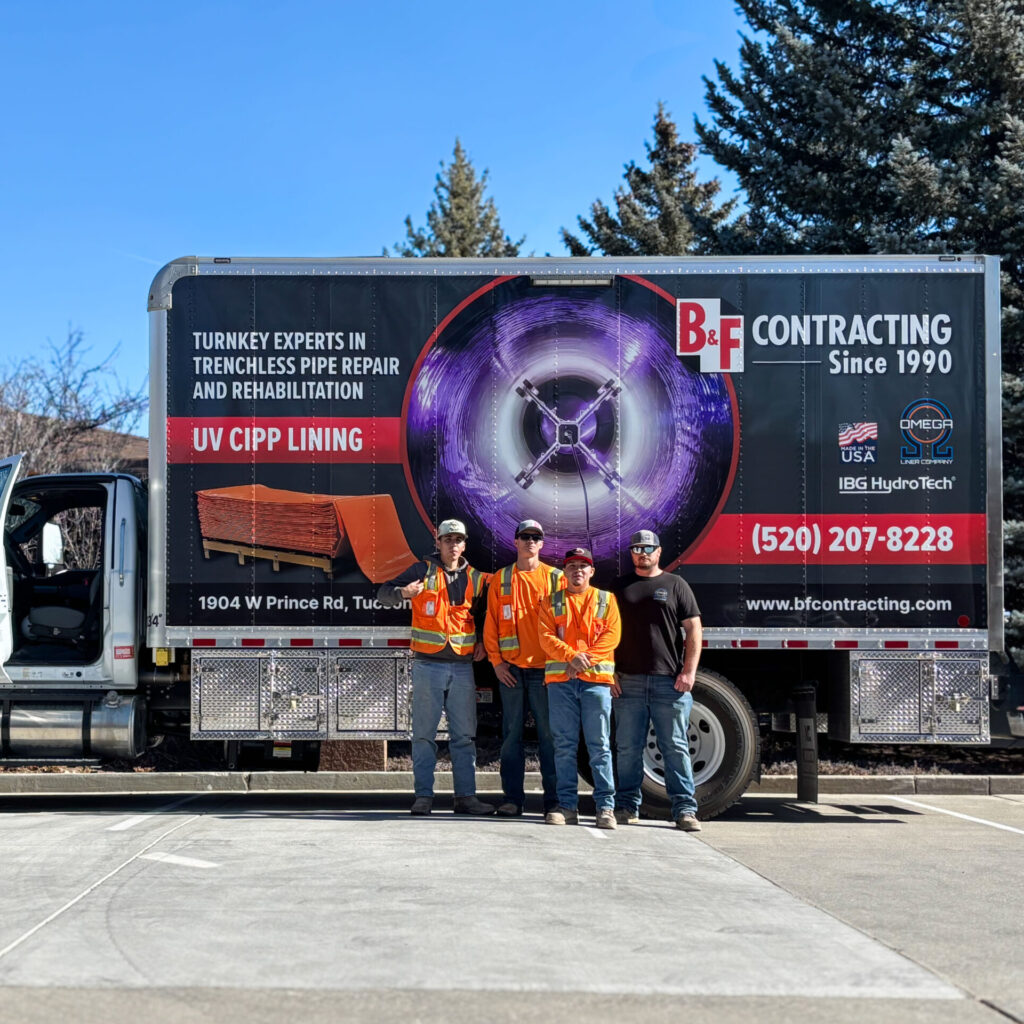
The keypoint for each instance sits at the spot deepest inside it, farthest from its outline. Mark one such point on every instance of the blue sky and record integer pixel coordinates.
(137, 132)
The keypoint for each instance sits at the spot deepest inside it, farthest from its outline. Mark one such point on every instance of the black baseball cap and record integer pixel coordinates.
(578, 555)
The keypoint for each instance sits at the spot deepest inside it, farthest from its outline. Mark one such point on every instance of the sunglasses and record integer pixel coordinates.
(529, 536)
(643, 549)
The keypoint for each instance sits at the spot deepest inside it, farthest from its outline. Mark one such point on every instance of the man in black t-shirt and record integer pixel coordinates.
(656, 663)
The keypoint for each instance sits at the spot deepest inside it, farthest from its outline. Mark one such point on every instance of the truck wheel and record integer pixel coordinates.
(725, 750)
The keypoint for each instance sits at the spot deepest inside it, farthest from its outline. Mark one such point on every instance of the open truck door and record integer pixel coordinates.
(9, 469)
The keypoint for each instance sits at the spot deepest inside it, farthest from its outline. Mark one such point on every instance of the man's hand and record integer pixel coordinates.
(411, 589)
(580, 663)
(616, 689)
(504, 674)
(684, 681)
(479, 651)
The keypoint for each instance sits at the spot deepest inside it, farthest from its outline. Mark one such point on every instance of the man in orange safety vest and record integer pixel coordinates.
(447, 598)
(579, 631)
(513, 646)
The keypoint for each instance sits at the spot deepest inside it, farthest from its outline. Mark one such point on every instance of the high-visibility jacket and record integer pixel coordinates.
(507, 616)
(570, 624)
(436, 622)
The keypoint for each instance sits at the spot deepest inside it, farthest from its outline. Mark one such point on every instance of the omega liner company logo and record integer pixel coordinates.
(701, 329)
(926, 425)
(858, 442)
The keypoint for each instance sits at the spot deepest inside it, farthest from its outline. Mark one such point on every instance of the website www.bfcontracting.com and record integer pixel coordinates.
(848, 604)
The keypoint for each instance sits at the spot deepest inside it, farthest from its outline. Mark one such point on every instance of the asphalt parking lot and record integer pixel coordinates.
(328, 907)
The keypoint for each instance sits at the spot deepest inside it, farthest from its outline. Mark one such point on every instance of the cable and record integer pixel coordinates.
(586, 503)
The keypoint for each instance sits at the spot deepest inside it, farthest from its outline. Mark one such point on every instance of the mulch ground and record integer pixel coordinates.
(778, 757)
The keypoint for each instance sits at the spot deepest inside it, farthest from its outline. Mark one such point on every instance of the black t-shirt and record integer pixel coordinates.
(653, 609)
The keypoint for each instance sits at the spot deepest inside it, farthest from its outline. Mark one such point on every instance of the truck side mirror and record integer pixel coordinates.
(53, 546)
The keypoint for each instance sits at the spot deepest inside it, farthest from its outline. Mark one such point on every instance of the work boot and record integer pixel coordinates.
(470, 805)
(509, 810)
(688, 823)
(421, 805)
(606, 818)
(626, 816)
(562, 816)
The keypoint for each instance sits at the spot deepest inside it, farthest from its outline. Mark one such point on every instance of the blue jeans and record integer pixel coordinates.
(447, 686)
(529, 692)
(652, 698)
(572, 704)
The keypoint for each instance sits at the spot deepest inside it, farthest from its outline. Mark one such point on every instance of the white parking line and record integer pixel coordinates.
(957, 814)
(140, 818)
(173, 858)
(95, 885)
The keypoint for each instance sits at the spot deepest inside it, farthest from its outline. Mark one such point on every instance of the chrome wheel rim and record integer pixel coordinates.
(707, 747)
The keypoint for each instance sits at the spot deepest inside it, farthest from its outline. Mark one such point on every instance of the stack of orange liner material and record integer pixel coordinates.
(367, 526)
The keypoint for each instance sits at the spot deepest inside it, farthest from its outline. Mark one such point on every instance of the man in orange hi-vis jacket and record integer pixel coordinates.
(579, 631)
(510, 636)
(447, 598)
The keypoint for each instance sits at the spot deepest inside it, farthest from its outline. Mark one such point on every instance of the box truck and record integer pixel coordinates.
(815, 440)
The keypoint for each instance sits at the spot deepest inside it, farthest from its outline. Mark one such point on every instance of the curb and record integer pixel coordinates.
(119, 783)
(906, 785)
(125, 783)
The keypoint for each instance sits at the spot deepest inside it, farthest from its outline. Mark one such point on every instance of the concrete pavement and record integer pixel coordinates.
(257, 905)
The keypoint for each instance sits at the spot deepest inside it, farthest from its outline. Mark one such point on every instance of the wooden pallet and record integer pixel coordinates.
(244, 551)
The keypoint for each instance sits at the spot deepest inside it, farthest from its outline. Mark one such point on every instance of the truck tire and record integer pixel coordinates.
(725, 750)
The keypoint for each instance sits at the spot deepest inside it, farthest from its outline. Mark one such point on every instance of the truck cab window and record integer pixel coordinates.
(54, 541)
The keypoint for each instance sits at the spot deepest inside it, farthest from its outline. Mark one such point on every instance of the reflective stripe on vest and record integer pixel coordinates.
(508, 635)
(558, 671)
(446, 624)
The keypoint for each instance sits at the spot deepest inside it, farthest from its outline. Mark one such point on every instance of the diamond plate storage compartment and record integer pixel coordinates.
(225, 695)
(293, 693)
(264, 695)
(906, 697)
(371, 695)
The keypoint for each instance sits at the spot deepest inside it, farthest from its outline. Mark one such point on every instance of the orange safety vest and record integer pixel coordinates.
(436, 623)
(508, 636)
(558, 671)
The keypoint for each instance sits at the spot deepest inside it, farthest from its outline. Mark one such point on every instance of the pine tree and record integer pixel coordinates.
(883, 126)
(460, 221)
(661, 211)
(1013, 499)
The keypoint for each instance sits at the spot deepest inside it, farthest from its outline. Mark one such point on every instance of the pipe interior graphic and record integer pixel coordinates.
(568, 405)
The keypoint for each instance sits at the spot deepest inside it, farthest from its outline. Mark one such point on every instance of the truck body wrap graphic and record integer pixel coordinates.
(808, 442)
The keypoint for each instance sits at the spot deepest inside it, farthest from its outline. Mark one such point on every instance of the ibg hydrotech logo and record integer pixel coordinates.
(926, 425)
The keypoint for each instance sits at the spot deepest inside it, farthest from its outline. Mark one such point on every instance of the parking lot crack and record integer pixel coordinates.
(24, 937)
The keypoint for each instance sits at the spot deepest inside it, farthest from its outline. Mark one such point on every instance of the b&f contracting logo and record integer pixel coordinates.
(926, 425)
(858, 442)
(701, 328)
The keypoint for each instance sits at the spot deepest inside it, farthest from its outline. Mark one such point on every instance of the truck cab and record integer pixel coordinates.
(71, 607)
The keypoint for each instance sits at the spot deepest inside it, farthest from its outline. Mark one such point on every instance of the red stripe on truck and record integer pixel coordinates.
(276, 439)
(868, 539)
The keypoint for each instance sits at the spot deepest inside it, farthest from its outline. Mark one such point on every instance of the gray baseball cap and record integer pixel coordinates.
(529, 526)
(450, 526)
(645, 537)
